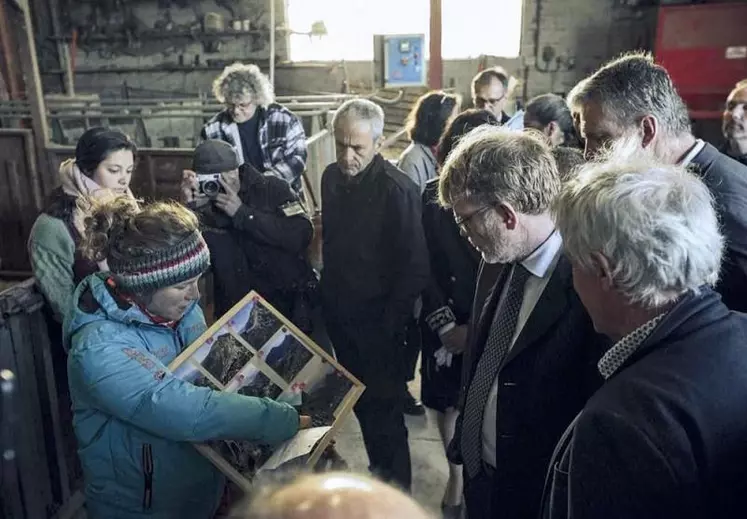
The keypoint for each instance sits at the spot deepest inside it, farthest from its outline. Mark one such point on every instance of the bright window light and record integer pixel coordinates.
(470, 27)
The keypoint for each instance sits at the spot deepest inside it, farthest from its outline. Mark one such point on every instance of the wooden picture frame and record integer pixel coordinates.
(254, 350)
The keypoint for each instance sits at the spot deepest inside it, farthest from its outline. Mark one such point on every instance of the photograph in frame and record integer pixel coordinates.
(253, 350)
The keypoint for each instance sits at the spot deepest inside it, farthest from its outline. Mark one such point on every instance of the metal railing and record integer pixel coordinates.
(148, 107)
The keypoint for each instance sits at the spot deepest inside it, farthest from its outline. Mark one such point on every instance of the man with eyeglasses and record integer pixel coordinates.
(490, 90)
(530, 363)
(264, 134)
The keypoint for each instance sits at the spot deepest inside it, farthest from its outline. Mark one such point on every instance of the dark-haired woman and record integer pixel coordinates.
(447, 303)
(425, 124)
(102, 168)
(549, 114)
(134, 420)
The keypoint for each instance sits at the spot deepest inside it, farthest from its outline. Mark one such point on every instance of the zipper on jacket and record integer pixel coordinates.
(147, 454)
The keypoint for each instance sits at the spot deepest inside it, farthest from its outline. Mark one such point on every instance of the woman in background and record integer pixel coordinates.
(425, 124)
(550, 115)
(135, 422)
(447, 304)
(102, 168)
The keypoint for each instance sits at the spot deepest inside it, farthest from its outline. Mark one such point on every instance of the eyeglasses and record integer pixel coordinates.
(463, 222)
(241, 106)
(480, 102)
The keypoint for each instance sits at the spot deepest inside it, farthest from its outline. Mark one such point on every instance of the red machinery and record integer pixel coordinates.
(704, 48)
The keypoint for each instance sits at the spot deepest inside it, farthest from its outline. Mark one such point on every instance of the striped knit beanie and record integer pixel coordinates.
(164, 268)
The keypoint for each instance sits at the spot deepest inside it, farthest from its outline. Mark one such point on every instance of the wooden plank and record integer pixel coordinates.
(34, 92)
(50, 403)
(32, 457)
(6, 238)
(11, 504)
(14, 220)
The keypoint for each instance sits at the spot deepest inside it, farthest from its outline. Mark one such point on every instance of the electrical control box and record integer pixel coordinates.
(399, 60)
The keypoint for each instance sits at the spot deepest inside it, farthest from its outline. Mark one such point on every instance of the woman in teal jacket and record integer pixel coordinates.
(134, 421)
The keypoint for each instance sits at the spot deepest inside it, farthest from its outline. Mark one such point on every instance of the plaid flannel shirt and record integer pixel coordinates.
(281, 137)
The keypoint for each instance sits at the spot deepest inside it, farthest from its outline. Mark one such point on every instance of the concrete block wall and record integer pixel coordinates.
(183, 62)
(584, 34)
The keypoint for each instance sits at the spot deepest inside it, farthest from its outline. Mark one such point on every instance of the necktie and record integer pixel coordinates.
(498, 344)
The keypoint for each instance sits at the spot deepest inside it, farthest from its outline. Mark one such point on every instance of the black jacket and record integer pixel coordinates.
(742, 159)
(727, 180)
(546, 379)
(268, 238)
(666, 436)
(375, 256)
(451, 288)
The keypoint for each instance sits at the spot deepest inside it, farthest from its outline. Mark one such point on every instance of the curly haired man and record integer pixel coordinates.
(265, 134)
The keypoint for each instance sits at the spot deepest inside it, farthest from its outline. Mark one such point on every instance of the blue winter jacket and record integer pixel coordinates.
(134, 420)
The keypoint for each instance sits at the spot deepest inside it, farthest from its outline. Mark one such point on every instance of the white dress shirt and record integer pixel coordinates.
(540, 264)
(694, 151)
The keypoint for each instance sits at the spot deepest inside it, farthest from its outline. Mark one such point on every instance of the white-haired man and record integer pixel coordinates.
(632, 104)
(665, 435)
(375, 266)
(529, 363)
(735, 123)
(265, 134)
(334, 495)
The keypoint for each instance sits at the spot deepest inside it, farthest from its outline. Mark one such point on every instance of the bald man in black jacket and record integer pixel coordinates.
(375, 266)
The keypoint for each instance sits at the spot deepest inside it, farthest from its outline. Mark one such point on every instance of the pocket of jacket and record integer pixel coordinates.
(147, 462)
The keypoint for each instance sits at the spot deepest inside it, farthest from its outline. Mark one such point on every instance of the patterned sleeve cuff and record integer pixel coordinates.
(440, 318)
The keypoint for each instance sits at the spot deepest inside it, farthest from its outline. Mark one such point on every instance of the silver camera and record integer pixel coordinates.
(209, 185)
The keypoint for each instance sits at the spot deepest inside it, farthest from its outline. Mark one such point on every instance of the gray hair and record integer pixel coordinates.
(361, 110)
(632, 87)
(238, 80)
(654, 223)
(493, 165)
(572, 99)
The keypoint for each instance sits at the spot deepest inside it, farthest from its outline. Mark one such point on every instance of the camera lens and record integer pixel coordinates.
(211, 187)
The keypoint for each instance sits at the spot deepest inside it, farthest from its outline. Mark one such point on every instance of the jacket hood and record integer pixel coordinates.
(93, 301)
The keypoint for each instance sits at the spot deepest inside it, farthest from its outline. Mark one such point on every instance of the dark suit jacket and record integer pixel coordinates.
(454, 263)
(548, 375)
(727, 180)
(742, 159)
(666, 436)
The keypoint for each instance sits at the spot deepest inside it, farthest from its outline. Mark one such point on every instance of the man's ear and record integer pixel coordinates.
(551, 128)
(649, 128)
(603, 270)
(378, 142)
(509, 216)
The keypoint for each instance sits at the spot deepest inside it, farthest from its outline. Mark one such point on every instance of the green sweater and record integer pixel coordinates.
(52, 253)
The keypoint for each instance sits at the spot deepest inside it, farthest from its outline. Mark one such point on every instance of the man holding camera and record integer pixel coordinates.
(256, 229)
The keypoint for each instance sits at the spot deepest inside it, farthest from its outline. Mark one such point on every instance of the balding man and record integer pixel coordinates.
(735, 123)
(375, 266)
(631, 104)
(664, 437)
(490, 91)
(333, 496)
